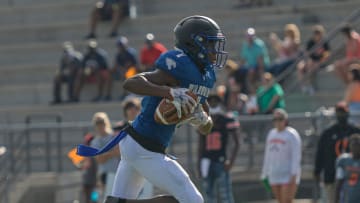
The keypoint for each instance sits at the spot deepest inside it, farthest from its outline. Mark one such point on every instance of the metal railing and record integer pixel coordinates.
(38, 147)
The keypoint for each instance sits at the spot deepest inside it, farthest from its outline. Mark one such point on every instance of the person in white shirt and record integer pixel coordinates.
(282, 158)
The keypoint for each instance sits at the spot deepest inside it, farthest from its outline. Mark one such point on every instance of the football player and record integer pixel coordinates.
(190, 66)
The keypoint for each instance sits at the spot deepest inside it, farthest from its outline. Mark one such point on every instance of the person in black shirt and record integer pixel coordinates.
(213, 162)
(70, 64)
(94, 65)
(316, 55)
(333, 142)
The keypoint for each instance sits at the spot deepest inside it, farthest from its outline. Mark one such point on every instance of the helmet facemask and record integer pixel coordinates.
(208, 46)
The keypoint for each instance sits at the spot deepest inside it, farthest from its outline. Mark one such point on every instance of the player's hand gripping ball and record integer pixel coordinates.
(180, 108)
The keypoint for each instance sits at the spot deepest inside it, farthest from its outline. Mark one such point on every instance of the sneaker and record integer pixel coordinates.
(90, 36)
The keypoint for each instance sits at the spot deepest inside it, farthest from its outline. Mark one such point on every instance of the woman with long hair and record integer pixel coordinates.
(108, 161)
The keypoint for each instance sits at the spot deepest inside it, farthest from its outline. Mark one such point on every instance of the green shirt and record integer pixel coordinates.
(264, 97)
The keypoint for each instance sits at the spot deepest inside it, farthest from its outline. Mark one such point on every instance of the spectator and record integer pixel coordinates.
(114, 10)
(214, 164)
(269, 95)
(307, 68)
(150, 52)
(352, 53)
(108, 161)
(94, 65)
(348, 172)
(255, 59)
(282, 158)
(89, 171)
(70, 64)
(352, 95)
(287, 49)
(333, 142)
(126, 64)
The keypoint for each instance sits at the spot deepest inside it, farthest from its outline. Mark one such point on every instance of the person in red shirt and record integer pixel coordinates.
(150, 52)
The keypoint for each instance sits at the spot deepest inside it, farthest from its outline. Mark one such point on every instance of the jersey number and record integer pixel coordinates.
(213, 141)
(353, 179)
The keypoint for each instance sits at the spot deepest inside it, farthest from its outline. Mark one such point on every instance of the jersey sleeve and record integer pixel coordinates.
(295, 153)
(174, 63)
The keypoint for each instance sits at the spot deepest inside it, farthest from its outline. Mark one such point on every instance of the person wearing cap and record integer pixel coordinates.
(150, 52)
(332, 143)
(214, 161)
(317, 52)
(94, 65)
(125, 63)
(282, 160)
(70, 64)
(254, 59)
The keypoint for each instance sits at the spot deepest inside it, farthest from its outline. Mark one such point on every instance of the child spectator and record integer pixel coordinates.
(114, 10)
(348, 172)
(94, 65)
(352, 53)
(150, 52)
(307, 68)
(70, 64)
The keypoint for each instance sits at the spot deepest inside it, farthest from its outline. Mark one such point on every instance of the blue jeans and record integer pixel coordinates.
(217, 177)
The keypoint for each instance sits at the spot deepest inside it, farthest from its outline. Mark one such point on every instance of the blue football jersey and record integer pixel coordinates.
(181, 67)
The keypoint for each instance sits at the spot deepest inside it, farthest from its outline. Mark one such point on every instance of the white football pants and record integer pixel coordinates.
(138, 163)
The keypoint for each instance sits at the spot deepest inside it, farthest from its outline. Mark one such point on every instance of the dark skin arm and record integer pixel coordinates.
(338, 185)
(102, 158)
(157, 83)
(235, 138)
(201, 148)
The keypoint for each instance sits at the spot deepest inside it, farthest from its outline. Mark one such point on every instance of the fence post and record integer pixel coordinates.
(189, 150)
(47, 150)
(59, 144)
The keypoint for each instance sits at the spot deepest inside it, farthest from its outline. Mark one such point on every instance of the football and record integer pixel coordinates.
(166, 112)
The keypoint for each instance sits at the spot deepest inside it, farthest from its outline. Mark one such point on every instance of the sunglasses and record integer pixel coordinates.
(278, 119)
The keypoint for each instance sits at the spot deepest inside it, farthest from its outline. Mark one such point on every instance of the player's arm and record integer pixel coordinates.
(157, 83)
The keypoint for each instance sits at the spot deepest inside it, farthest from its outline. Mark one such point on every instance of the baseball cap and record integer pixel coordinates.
(250, 32)
(92, 44)
(149, 37)
(122, 41)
